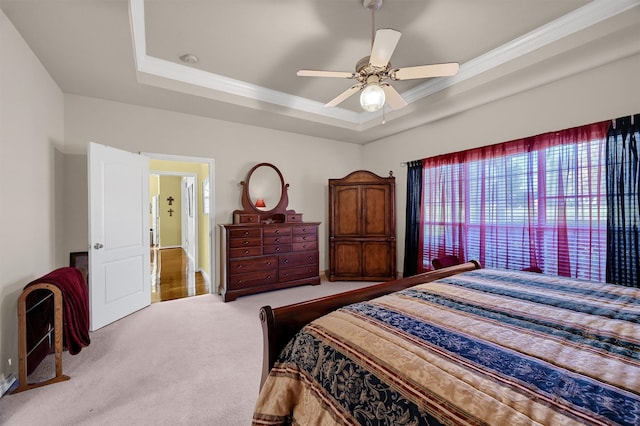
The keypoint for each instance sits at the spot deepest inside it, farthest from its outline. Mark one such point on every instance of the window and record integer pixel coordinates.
(538, 202)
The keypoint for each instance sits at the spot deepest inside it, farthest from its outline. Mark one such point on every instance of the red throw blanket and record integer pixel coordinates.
(75, 302)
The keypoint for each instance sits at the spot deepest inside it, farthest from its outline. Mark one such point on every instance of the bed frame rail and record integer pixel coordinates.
(279, 325)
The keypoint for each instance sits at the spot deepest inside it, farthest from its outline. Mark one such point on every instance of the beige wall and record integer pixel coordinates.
(32, 176)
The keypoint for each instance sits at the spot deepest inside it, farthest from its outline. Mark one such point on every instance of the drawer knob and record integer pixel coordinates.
(246, 232)
(269, 263)
(285, 261)
(269, 276)
(277, 240)
(309, 258)
(304, 238)
(239, 267)
(245, 242)
(277, 248)
(246, 252)
(277, 231)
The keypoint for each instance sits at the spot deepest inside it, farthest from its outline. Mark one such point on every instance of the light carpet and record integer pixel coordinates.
(191, 361)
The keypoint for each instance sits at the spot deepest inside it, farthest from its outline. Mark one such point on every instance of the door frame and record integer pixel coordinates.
(211, 163)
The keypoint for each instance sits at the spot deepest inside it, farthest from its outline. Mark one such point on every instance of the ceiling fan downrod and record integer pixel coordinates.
(373, 6)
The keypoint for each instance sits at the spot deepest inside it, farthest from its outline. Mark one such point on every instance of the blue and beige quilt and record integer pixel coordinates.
(492, 347)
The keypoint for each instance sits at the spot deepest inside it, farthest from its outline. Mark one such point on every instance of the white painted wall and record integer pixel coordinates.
(602, 93)
(31, 127)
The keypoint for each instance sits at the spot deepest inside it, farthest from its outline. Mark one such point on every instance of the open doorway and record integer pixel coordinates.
(181, 226)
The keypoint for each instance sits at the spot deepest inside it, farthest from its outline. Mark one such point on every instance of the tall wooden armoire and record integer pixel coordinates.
(362, 227)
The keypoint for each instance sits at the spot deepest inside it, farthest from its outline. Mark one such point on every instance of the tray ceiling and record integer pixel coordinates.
(249, 52)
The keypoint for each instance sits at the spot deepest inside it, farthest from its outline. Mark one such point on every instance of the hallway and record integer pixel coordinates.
(173, 275)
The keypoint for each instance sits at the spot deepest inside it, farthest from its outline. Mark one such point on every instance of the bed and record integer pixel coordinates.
(460, 345)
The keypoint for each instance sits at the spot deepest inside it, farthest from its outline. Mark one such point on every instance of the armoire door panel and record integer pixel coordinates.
(375, 211)
(375, 259)
(347, 259)
(346, 218)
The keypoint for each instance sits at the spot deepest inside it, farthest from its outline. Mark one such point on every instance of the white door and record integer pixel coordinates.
(119, 259)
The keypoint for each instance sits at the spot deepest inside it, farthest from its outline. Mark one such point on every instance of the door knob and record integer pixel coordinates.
(97, 246)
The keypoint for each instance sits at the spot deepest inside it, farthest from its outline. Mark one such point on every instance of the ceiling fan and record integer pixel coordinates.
(373, 71)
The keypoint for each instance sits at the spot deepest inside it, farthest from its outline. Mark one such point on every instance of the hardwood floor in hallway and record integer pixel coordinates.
(173, 275)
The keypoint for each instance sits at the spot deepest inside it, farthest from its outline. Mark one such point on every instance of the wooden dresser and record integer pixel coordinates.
(266, 250)
(362, 227)
(263, 257)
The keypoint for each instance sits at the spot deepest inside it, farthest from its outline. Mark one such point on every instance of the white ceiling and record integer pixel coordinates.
(250, 51)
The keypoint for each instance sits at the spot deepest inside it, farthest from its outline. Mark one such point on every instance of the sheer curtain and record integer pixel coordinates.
(535, 202)
(414, 207)
(623, 202)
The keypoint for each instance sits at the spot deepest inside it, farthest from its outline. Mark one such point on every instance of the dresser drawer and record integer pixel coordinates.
(313, 245)
(298, 259)
(263, 263)
(245, 233)
(245, 252)
(305, 230)
(305, 238)
(277, 248)
(281, 239)
(245, 242)
(246, 218)
(274, 231)
(294, 217)
(253, 279)
(289, 274)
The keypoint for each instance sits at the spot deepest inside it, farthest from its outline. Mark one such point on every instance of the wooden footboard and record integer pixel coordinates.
(279, 325)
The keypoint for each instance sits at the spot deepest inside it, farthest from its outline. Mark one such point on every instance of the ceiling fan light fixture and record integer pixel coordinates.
(372, 97)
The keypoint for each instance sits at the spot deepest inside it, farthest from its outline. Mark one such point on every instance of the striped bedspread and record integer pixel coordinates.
(483, 347)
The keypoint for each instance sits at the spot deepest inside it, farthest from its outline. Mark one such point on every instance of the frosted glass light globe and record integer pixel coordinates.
(372, 97)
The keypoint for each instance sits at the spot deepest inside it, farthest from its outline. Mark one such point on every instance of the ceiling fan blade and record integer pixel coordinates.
(426, 71)
(318, 73)
(344, 95)
(392, 97)
(384, 44)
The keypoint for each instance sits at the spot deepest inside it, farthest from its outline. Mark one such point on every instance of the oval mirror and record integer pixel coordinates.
(265, 185)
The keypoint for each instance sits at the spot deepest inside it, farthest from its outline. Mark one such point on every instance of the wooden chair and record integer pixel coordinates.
(445, 261)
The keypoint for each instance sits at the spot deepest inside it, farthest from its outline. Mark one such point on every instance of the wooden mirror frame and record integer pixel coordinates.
(277, 214)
